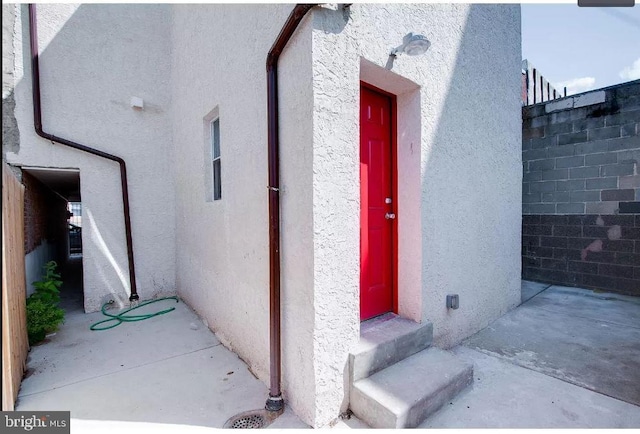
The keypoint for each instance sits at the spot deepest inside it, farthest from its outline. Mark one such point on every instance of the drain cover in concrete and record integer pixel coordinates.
(254, 419)
(249, 421)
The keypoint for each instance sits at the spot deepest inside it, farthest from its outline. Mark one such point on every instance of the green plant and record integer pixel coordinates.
(43, 314)
(42, 318)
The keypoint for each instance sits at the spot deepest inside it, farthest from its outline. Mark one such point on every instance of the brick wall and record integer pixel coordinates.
(581, 190)
(44, 214)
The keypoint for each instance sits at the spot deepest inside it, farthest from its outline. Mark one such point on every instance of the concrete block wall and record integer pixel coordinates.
(590, 251)
(581, 190)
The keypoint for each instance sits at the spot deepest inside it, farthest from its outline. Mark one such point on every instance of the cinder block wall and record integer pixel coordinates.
(581, 190)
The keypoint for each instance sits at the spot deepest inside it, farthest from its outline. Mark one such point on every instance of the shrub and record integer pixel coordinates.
(43, 314)
(42, 318)
(48, 289)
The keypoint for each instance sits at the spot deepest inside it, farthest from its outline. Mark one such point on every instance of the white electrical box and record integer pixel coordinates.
(137, 102)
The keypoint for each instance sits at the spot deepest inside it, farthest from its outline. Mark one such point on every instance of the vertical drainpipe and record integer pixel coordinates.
(275, 401)
(37, 122)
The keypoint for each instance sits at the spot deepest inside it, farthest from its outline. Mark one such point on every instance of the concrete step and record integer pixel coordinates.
(405, 394)
(386, 340)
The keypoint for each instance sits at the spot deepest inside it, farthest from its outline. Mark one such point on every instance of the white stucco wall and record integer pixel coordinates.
(469, 144)
(459, 146)
(458, 159)
(93, 59)
(218, 61)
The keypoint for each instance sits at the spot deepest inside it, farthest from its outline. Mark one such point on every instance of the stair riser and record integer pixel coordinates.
(430, 405)
(378, 416)
(370, 411)
(367, 363)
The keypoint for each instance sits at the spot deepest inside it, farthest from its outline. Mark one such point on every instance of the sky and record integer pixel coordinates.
(582, 48)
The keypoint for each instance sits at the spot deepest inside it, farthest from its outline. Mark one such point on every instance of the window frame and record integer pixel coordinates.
(208, 153)
(216, 160)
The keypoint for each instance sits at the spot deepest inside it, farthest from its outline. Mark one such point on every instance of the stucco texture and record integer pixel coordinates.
(470, 164)
(93, 59)
(459, 166)
(10, 135)
(218, 62)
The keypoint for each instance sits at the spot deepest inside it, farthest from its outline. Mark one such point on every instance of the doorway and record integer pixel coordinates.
(53, 229)
(377, 203)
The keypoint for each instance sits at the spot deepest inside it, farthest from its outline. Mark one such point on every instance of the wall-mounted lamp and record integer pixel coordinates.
(412, 45)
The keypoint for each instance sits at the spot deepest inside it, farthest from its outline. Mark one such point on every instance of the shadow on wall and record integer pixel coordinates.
(96, 90)
(471, 173)
(471, 168)
(471, 176)
(332, 21)
(99, 261)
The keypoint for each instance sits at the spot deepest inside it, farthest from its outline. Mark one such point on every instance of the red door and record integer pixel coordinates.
(376, 204)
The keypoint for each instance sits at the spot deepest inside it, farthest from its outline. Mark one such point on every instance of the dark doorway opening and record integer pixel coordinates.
(53, 229)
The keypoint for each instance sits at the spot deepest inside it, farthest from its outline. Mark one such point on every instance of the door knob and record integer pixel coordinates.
(389, 216)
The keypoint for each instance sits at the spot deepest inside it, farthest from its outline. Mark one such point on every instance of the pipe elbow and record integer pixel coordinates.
(40, 132)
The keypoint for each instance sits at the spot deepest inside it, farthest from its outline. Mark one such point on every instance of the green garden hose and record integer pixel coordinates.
(122, 317)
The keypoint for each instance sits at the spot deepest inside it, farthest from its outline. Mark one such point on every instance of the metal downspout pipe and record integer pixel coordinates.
(275, 401)
(37, 121)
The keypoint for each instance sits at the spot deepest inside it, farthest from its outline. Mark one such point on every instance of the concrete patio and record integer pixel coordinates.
(161, 373)
(566, 358)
